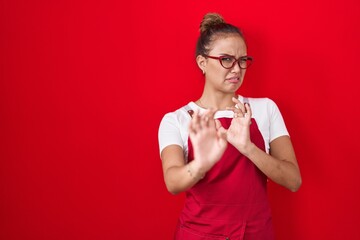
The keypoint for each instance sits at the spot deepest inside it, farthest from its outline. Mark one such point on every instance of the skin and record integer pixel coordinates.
(210, 139)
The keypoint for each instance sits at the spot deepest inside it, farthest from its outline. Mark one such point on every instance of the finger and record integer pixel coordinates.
(235, 100)
(233, 109)
(248, 111)
(211, 116)
(218, 124)
(222, 133)
(195, 121)
(191, 128)
(237, 112)
(204, 119)
(239, 104)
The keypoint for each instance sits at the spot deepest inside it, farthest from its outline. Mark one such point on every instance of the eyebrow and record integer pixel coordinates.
(229, 55)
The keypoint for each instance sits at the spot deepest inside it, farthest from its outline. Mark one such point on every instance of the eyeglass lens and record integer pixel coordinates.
(229, 62)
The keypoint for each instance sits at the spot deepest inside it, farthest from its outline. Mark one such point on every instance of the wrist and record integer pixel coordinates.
(249, 150)
(195, 170)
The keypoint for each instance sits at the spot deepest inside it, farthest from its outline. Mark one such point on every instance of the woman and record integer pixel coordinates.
(221, 148)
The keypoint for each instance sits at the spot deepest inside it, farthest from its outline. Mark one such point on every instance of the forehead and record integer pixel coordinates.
(232, 45)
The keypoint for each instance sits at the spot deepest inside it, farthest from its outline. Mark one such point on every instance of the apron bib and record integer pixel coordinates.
(231, 201)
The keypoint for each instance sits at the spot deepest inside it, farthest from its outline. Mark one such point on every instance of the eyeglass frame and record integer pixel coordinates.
(236, 60)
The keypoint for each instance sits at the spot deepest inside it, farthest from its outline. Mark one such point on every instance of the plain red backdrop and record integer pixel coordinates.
(84, 85)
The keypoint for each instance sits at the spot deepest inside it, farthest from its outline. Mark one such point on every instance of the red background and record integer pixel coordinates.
(84, 85)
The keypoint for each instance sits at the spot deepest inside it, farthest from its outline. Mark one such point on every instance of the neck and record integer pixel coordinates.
(216, 101)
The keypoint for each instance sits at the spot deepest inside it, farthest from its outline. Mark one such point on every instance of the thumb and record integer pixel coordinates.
(218, 124)
(221, 131)
(222, 136)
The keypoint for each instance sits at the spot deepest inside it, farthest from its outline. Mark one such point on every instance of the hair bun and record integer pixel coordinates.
(210, 20)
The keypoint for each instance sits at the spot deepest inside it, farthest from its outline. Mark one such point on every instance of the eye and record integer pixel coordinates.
(244, 59)
(227, 59)
(245, 62)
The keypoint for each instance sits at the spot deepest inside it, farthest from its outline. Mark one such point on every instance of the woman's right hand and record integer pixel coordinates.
(208, 141)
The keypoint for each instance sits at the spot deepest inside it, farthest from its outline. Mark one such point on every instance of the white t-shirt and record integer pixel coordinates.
(174, 125)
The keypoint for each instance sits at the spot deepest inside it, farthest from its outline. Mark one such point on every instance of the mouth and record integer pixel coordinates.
(233, 79)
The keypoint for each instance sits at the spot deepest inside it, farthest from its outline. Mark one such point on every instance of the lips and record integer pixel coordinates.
(233, 79)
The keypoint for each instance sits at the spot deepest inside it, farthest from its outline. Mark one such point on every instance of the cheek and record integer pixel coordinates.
(218, 74)
(242, 73)
(217, 70)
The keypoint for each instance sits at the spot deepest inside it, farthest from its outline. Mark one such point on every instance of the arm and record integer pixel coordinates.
(176, 173)
(209, 143)
(280, 166)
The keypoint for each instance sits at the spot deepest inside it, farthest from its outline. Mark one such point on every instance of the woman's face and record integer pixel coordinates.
(218, 77)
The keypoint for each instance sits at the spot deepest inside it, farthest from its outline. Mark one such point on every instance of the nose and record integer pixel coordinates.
(236, 68)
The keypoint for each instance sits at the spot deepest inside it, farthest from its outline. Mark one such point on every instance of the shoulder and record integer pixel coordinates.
(177, 117)
(261, 104)
(265, 109)
(260, 101)
(269, 119)
(173, 128)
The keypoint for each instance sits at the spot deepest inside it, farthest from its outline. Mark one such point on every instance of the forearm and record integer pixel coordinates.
(181, 178)
(281, 171)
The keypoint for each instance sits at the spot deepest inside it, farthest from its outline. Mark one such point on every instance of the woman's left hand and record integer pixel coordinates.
(280, 165)
(238, 134)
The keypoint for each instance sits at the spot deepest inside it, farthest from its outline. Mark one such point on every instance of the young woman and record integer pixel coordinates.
(221, 148)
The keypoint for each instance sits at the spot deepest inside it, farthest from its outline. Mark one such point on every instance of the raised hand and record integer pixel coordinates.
(238, 134)
(209, 142)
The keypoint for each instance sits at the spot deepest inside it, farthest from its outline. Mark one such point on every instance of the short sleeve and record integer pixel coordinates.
(169, 132)
(277, 124)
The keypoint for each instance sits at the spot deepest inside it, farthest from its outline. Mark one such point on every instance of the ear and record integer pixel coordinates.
(201, 62)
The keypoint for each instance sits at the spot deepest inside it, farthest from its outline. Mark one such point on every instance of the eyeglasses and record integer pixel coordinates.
(229, 61)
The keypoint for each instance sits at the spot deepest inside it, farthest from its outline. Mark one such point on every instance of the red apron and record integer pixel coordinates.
(231, 201)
